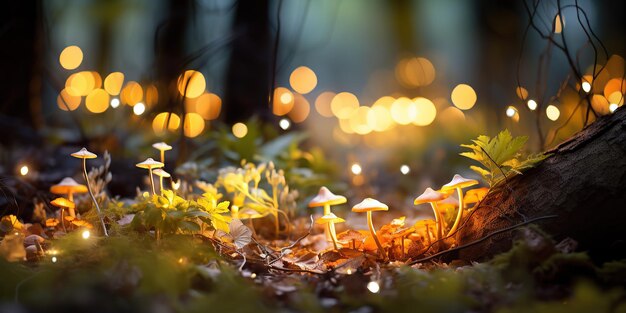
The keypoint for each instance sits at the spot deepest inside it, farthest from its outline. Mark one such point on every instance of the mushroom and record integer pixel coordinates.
(162, 146)
(475, 195)
(326, 198)
(150, 164)
(84, 155)
(458, 182)
(432, 196)
(69, 187)
(330, 219)
(63, 203)
(370, 205)
(162, 174)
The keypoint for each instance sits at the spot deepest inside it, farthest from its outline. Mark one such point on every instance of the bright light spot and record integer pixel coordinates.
(510, 111)
(532, 105)
(54, 259)
(24, 170)
(586, 87)
(283, 101)
(145, 194)
(152, 95)
(415, 72)
(68, 102)
(558, 24)
(356, 169)
(373, 287)
(165, 121)
(208, 105)
(301, 109)
(349, 271)
(240, 130)
(284, 124)
(358, 120)
(303, 80)
(404, 169)
(343, 104)
(132, 93)
(139, 108)
(113, 83)
(379, 118)
(115, 102)
(86, 234)
(463, 96)
(193, 125)
(97, 101)
(71, 57)
(181, 260)
(253, 275)
(81, 83)
(191, 84)
(403, 111)
(521, 92)
(426, 111)
(322, 103)
(176, 184)
(553, 112)
(612, 107)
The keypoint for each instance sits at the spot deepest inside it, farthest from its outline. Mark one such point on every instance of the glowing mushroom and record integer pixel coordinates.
(458, 182)
(326, 198)
(162, 147)
(331, 219)
(162, 174)
(432, 196)
(150, 164)
(63, 204)
(369, 205)
(475, 195)
(68, 186)
(84, 155)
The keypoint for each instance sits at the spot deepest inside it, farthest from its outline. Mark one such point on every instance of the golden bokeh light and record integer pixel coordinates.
(113, 83)
(463, 96)
(379, 118)
(614, 85)
(71, 57)
(139, 108)
(67, 102)
(322, 103)
(132, 93)
(616, 98)
(152, 95)
(343, 104)
(415, 72)
(553, 113)
(600, 104)
(403, 111)
(283, 101)
(426, 111)
(344, 125)
(358, 121)
(452, 115)
(80, 84)
(165, 121)
(209, 106)
(97, 101)
(521, 92)
(303, 80)
(191, 84)
(240, 130)
(301, 109)
(558, 24)
(510, 111)
(193, 125)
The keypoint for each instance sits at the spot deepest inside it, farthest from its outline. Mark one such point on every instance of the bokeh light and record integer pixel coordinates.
(521, 92)
(463, 96)
(113, 83)
(67, 102)
(552, 112)
(80, 84)
(426, 111)
(532, 104)
(191, 84)
(301, 109)
(193, 125)
(322, 103)
(240, 130)
(165, 121)
(343, 104)
(97, 101)
(283, 101)
(284, 124)
(403, 111)
(71, 57)
(303, 80)
(139, 108)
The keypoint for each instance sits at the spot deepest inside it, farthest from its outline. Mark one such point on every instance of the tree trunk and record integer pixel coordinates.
(583, 181)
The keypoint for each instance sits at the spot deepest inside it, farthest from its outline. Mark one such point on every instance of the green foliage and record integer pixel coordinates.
(500, 156)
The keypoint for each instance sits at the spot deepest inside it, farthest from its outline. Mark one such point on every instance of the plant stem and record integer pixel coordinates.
(459, 214)
(327, 231)
(373, 231)
(333, 236)
(93, 198)
(151, 181)
(438, 223)
(161, 184)
(63, 220)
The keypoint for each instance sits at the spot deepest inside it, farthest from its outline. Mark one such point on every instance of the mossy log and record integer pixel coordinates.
(583, 181)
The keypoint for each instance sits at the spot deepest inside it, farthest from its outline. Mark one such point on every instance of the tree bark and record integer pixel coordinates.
(583, 181)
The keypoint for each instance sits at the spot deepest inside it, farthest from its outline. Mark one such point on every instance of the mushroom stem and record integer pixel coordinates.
(162, 156)
(63, 220)
(151, 181)
(161, 184)
(327, 231)
(437, 220)
(459, 215)
(93, 198)
(70, 196)
(373, 231)
(332, 234)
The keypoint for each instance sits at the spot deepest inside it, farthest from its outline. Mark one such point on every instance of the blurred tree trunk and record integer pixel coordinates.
(583, 181)
(21, 58)
(249, 70)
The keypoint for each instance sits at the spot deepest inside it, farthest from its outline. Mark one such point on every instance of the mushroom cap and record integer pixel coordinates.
(33, 239)
(84, 154)
(62, 203)
(429, 195)
(161, 173)
(162, 146)
(475, 195)
(369, 204)
(149, 163)
(68, 185)
(329, 218)
(452, 201)
(459, 181)
(324, 197)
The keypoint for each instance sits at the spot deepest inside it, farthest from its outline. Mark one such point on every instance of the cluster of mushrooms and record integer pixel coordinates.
(325, 198)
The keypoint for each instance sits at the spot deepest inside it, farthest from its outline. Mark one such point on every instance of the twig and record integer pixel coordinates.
(497, 232)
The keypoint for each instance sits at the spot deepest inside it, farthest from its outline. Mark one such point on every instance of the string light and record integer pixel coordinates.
(139, 108)
(284, 124)
(510, 111)
(373, 287)
(532, 104)
(404, 169)
(24, 170)
(586, 87)
(356, 169)
(115, 102)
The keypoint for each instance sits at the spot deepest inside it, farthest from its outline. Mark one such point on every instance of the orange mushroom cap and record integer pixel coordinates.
(62, 203)
(68, 185)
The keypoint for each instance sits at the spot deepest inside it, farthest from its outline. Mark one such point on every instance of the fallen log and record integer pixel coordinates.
(583, 181)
